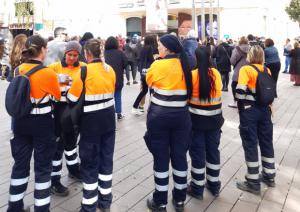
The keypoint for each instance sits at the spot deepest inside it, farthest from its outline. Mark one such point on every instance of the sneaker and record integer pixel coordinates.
(136, 112)
(233, 105)
(59, 190)
(120, 116)
(190, 192)
(142, 109)
(246, 186)
(135, 82)
(179, 206)
(76, 176)
(154, 207)
(128, 83)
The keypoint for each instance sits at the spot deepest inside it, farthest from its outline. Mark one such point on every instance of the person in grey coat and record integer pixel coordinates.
(238, 60)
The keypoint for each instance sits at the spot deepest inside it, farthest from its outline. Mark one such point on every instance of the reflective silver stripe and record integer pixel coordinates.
(269, 171)
(99, 106)
(105, 177)
(90, 201)
(161, 175)
(16, 197)
(41, 202)
(104, 191)
(64, 88)
(180, 186)
(205, 112)
(179, 173)
(161, 188)
(242, 87)
(43, 110)
(72, 98)
(252, 164)
(56, 162)
(212, 100)
(45, 100)
(252, 176)
(42, 186)
(56, 173)
(63, 99)
(268, 160)
(99, 97)
(211, 178)
(90, 187)
(168, 103)
(72, 162)
(198, 171)
(71, 152)
(213, 166)
(17, 182)
(244, 96)
(169, 92)
(199, 182)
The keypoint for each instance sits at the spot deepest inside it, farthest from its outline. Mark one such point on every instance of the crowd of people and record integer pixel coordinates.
(84, 77)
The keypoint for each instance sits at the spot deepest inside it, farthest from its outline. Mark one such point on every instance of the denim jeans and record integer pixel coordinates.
(287, 63)
(118, 100)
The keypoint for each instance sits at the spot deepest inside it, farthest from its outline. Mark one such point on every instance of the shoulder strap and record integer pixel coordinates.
(16, 72)
(256, 69)
(35, 69)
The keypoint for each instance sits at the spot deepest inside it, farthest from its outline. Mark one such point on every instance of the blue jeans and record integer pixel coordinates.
(287, 63)
(118, 100)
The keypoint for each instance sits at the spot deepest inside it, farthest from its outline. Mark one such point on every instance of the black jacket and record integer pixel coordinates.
(222, 54)
(118, 61)
(146, 58)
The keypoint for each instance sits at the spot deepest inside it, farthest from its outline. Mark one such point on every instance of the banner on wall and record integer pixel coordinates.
(156, 16)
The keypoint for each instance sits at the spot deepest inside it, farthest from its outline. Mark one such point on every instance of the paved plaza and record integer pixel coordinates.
(133, 174)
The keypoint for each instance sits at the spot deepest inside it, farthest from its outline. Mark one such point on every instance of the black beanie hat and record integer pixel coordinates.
(172, 43)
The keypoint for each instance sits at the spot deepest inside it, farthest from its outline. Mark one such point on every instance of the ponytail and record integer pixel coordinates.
(33, 46)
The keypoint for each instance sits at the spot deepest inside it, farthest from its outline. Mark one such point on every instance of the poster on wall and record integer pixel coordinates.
(156, 16)
(207, 27)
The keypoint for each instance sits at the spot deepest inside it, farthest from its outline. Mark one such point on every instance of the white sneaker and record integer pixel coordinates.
(136, 112)
(233, 105)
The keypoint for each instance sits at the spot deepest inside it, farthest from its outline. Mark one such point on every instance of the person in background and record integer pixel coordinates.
(190, 44)
(131, 54)
(272, 60)
(222, 54)
(286, 52)
(146, 59)
(56, 47)
(295, 64)
(118, 61)
(34, 132)
(256, 127)
(97, 129)
(121, 42)
(168, 133)
(205, 106)
(67, 69)
(86, 36)
(238, 59)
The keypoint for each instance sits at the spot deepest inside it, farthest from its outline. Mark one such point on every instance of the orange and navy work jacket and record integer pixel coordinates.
(167, 80)
(44, 86)
(71, 71)
(205, 107)
(246, 88)
(100, 87)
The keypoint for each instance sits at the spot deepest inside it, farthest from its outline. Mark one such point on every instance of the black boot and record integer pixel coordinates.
(215, 189)
(190, 192)
(59, 190)
(179, 206)
(270, 182)
(154, 207)
(250, 187)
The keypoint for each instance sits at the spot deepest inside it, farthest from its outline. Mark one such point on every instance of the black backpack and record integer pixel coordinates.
(265, 87)
(17, 100)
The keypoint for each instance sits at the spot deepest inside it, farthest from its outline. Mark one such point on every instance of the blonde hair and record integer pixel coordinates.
(16, 57)
(296, 44)
(243, 40)
(256, 55)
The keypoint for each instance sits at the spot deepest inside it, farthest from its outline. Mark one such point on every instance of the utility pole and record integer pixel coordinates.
(202, 20)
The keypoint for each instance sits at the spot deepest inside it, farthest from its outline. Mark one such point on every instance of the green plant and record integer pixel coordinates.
(293, 10)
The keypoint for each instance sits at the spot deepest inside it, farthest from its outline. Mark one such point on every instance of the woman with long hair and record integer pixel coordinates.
(207, 120)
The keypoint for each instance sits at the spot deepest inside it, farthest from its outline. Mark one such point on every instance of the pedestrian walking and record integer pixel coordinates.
(131, 54)
(295, 64)
(97, 128)
(205, 106)
(168, 133)
(286, 52)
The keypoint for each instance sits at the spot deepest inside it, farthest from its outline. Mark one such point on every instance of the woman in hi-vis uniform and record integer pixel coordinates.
(67, 69)
(97, 129)
(168, 133)
(206, 113)
(35, 132)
